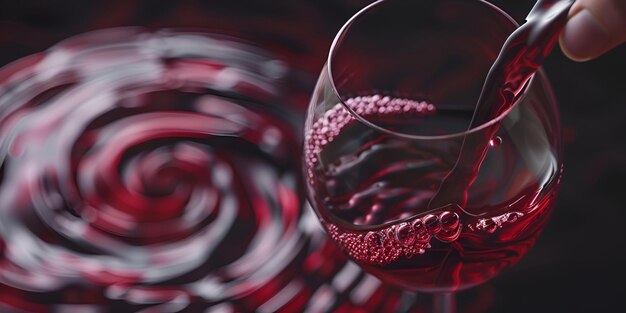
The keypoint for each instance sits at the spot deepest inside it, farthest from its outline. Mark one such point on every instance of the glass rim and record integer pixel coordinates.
(336, 43)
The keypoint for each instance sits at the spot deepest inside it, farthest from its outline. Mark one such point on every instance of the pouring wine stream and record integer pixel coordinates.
(521, 56)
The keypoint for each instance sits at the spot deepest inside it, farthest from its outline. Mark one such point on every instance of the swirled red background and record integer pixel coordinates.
(576, 265)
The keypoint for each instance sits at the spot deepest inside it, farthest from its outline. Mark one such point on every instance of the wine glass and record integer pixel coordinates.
(385, 126)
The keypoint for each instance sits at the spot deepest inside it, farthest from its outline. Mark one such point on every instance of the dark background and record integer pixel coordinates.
(578, 263)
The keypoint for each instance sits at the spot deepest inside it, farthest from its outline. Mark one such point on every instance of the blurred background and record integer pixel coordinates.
(578, 263)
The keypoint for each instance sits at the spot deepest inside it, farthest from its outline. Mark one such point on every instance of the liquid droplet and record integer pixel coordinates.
(495, 142)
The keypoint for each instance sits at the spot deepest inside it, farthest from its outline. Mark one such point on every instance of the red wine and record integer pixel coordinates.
(158, 172)
(372, 191)
(520, 58)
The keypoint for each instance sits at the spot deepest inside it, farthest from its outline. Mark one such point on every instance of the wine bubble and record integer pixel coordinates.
(405, 234)
(449, 220)
(420, 230)
(374, 240)
(432, 223)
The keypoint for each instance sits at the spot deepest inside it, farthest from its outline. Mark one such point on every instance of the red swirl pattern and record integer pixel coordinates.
(134, 165)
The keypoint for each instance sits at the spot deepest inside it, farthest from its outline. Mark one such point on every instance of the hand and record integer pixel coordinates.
(594, 27)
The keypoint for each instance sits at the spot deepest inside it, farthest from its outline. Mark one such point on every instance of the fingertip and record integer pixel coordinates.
(584, 38)
(572, 56)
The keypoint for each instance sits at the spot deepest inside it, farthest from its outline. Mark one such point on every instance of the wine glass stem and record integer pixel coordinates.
(444, 303)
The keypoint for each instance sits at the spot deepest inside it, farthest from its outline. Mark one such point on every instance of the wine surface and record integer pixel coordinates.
(372, 191)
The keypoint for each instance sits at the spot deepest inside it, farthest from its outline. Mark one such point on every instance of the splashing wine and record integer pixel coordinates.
(520, 58)
(377, 212)
(410, 182)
